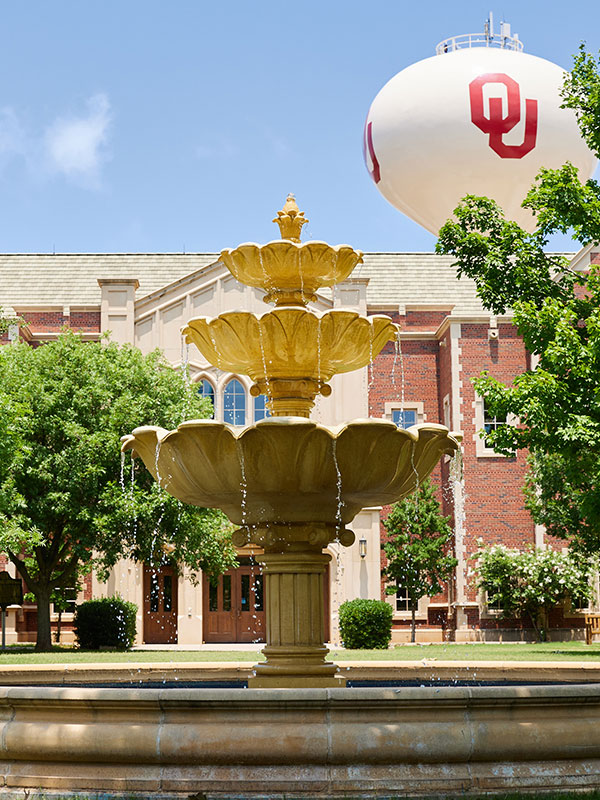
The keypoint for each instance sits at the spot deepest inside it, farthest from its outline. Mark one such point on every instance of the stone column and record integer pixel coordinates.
(293, 573)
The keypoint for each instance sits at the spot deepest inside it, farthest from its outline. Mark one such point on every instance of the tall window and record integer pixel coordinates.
(234, 403)
(205, 389)
(402, 599)
(260, 408)
(491, 423)
(496, 605)
(404, 417)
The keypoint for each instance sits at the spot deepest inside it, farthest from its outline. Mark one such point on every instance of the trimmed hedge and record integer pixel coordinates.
(366, 624)
(107, 622)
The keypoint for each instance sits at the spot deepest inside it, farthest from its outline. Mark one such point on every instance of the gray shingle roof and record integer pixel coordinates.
(418, 279)
(72, 279)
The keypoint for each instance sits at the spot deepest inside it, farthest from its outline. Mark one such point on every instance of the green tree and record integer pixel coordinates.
(418, 538)
(62, 508)
(531, 582)
(557, 312)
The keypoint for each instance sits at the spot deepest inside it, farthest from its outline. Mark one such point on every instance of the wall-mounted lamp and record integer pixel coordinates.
(362, 548)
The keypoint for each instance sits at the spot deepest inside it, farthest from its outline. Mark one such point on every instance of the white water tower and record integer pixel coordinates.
(480, 117)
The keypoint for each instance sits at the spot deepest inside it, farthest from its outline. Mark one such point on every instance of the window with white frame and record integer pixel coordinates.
(492, 605)
(404, 417)
(65, 600)
(486, 423)
(260, 408)
(405, 414)
(234, 403)
(491, 422)
(206, 389)
(402, 598)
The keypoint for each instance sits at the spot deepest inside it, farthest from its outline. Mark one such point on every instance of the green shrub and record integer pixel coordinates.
(107, 622)
(366, 624)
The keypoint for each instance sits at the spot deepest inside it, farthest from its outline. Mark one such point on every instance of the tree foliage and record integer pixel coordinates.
(418, 539)
(62, 508)
(557, 312)
(531, 582)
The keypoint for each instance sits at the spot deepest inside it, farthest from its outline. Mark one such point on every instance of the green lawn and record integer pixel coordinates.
(551, 651)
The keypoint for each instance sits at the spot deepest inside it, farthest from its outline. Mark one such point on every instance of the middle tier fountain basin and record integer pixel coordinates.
(290, 469)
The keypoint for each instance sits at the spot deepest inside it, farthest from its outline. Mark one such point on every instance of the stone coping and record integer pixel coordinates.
(144, 672)
(301, 743)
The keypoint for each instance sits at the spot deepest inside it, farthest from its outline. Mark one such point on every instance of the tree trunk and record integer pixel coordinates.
(413, 624)
(44, 633)
(58, 625)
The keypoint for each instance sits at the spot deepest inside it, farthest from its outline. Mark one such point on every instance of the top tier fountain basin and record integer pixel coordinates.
(290, 470)
(291, 272)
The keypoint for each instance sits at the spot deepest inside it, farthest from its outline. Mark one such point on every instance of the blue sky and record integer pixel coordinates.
(130, 126)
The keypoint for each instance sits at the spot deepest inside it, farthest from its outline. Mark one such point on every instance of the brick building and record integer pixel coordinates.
(447, 338)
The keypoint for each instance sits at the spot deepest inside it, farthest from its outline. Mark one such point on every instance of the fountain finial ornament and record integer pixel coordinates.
(290, 220)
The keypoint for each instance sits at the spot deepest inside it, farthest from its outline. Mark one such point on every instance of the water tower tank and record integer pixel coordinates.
(480, 117)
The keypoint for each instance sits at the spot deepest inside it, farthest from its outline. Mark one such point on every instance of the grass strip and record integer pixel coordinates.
(547, 651)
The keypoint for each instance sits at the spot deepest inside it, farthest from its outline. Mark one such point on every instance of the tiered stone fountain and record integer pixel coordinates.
(290, 484)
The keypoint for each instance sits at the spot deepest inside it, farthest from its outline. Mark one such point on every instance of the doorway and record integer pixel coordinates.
(160, 605)
(233, 609)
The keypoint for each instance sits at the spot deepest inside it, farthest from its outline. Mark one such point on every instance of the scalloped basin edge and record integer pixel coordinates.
(290, 469)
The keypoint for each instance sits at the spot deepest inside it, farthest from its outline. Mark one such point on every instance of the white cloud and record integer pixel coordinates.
(76, 146)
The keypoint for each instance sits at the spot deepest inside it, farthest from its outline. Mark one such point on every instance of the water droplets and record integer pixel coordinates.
(243, 482)
(339, 499)
(185, 367)
(398, 356)
(264, 359)
(319, 321)
(371, 365)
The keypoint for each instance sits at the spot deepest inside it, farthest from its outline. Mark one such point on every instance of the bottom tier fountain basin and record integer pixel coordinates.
(285, 470)
(270, 743)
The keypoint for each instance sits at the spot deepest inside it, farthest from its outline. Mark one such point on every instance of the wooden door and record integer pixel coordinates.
(160, 605)
(233, 608)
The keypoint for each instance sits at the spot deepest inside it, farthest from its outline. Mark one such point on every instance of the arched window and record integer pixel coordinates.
(234, 403)
(260, 408)
(205, 389)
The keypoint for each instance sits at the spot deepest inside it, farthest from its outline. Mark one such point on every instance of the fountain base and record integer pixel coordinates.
(305, 743)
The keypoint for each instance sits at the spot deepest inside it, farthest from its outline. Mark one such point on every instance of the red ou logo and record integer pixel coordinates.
(496, 125)
(374, 170)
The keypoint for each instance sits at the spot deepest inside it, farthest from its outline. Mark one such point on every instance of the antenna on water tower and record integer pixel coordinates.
(488, 29)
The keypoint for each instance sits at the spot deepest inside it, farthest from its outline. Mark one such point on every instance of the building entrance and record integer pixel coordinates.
(233, 608)
(160, 605)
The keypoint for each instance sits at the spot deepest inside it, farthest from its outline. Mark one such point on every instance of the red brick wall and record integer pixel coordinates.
(494, 503)
(419, 363)
(55, 321)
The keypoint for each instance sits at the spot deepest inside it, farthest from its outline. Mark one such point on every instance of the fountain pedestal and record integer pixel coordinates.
(294, 595)
(294, 566)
